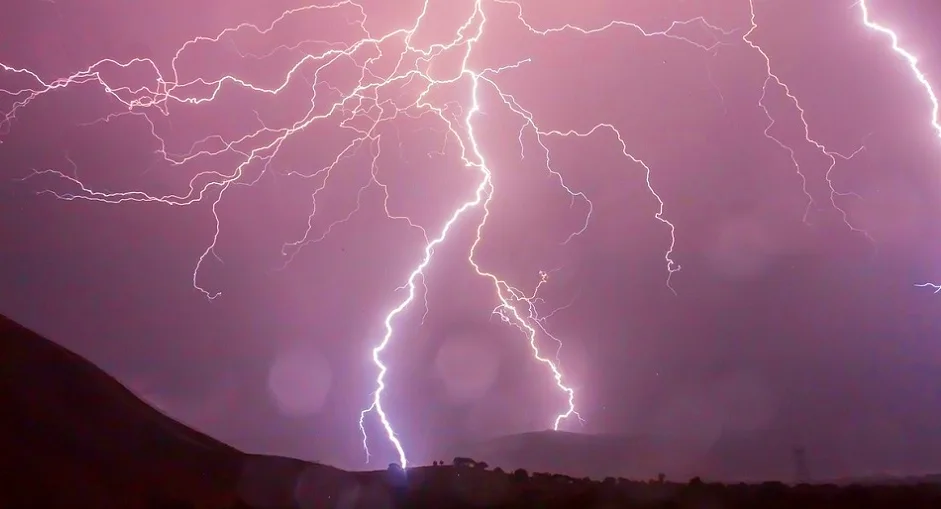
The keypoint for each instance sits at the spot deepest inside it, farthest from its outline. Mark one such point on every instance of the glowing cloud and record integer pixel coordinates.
(362, 110)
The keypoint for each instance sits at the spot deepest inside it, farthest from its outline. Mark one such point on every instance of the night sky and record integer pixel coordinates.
(784, 316)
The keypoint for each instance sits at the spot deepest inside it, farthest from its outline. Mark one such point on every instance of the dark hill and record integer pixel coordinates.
(73, 436)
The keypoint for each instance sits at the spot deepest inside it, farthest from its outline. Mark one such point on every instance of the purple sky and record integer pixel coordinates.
(801, 326)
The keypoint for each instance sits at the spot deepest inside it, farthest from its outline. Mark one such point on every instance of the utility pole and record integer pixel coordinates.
(801, 472)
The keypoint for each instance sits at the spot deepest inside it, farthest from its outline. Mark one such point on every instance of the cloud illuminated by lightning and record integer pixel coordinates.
(362, 112)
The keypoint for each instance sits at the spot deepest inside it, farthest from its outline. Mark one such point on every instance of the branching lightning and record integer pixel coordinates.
(831, 155)
(364, 110)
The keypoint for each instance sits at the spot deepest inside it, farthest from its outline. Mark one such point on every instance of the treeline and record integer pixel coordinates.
(468, 484)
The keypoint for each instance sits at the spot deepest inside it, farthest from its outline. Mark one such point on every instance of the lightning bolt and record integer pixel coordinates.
(833, 156)
(912, 61)
(366, 112)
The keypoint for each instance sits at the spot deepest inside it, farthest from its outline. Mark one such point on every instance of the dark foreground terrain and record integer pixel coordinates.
(729, 456)
(73, 437)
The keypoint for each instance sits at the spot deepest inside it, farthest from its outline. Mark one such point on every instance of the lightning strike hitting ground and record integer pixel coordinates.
(362, 111)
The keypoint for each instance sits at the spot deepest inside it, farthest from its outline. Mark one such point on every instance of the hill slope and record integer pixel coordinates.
(72, 435)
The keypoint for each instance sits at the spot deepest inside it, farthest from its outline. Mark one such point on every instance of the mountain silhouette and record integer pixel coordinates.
(73, 436)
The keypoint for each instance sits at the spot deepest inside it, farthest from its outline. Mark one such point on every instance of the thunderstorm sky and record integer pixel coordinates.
(792, 314)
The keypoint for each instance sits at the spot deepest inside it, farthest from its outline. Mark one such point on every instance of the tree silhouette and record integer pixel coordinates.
(168, 503)
(463, 462)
